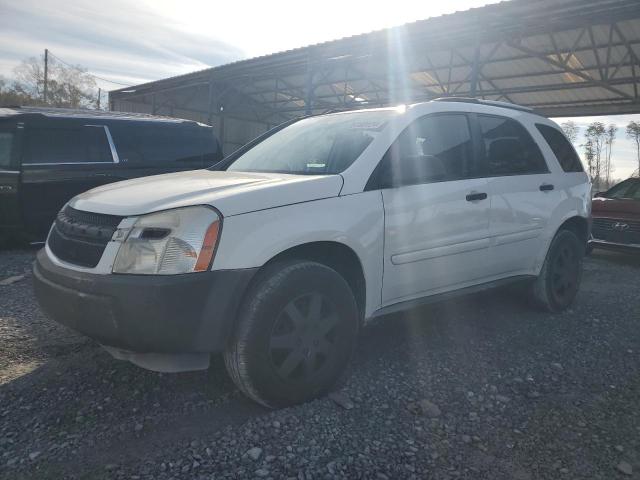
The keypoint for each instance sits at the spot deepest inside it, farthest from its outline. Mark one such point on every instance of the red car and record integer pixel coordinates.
(616, 217)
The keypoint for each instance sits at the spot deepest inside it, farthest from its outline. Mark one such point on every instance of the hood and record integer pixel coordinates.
(608, 207)
(232, 193)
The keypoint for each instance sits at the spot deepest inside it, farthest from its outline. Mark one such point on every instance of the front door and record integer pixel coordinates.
(10, 218)
(436, 210)
(59, 162)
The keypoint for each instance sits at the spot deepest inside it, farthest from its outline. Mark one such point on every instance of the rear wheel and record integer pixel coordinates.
(557, 285)
(295, 334)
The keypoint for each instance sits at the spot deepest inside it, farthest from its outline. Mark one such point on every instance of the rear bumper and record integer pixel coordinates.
(190, 313)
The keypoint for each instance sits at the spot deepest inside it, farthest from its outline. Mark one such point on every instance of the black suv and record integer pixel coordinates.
(49, 155)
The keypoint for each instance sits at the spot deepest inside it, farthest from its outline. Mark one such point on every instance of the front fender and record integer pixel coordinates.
(250, 240)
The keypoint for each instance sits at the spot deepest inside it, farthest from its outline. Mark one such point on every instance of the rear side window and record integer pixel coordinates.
(6, 142)
(87, 144)
(562, 148)
(508, 148)
(434, 148)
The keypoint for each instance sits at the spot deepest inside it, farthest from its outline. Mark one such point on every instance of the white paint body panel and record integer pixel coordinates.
(356, 221)
(232, 193)
(434, 238)
(411, 241)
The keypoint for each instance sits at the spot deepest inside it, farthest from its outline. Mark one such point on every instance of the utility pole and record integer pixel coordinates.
(46, 72)
(99, 95)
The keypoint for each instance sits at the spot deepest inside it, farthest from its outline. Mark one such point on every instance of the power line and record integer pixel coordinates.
(87, 73)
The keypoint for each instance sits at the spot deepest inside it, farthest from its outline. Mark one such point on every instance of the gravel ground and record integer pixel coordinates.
(479, 388)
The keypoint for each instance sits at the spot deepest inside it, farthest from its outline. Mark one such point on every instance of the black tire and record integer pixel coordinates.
(295, 334)
(557, 285)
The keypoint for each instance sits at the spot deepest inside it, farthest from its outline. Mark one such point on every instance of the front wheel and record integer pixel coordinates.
(557, 285)
(295, 334)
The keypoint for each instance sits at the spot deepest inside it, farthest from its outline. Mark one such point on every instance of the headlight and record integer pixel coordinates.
(175, 241)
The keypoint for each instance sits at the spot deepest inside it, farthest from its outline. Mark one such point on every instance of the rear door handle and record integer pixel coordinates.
(546, 187)
(473, 196)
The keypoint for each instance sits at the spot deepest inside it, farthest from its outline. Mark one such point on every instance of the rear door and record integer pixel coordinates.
(155, 147)
(10, 135)
(523, 194)
(436, 210)
(62, 159)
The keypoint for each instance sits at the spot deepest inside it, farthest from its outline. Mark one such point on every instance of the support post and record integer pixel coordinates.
(210, 107)
(99, 95)
(474, 71)
(221, 126)
(308, 102)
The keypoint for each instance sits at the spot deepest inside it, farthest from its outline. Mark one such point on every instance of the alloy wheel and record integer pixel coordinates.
(304, 337)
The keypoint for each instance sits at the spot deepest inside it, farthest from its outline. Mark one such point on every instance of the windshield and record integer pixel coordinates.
(315, 146)
(629, 189)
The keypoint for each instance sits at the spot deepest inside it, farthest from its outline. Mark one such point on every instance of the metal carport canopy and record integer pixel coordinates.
(561, 57)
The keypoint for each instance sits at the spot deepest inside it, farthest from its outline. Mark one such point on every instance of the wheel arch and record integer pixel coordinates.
(578, 225)
(336, 255)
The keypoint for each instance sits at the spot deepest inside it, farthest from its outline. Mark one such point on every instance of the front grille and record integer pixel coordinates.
(616, 230)
(80, 237)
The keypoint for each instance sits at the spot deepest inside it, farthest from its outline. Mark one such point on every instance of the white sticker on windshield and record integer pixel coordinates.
(316, 165)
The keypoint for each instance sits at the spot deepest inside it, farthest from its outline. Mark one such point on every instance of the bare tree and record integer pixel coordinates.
(67, 85)
(633, 132)
(589, 156)
(10, 96)
(571, 130)
(596, 139)
(610, 136)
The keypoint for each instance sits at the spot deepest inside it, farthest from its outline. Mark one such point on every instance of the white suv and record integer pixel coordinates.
(277, 256)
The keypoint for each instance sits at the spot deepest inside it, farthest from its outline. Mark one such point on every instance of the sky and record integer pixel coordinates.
(134, 41)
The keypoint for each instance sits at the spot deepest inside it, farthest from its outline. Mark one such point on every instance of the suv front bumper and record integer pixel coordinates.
(155, 314)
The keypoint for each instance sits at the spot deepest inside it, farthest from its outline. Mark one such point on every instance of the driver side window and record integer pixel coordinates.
(434, 148)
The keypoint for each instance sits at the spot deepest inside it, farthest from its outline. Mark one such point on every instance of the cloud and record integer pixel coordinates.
(118, 40)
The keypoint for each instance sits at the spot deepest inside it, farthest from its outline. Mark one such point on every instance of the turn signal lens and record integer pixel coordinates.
(208, 247)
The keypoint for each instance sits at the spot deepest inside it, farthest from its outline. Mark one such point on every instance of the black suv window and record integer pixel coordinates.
(67, 145)
(434, 148)
(562, 148)
(508, 147)
(161, 144)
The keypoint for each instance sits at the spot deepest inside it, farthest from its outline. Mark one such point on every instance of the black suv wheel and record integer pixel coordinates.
(557, 285)
(295, 334)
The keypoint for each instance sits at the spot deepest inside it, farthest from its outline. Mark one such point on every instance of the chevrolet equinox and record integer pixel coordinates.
(277, 256)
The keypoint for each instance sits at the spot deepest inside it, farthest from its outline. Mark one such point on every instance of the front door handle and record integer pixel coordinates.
(546, 187)
(474, 196)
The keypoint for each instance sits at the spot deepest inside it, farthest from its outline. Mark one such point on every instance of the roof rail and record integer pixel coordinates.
(492, 103)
